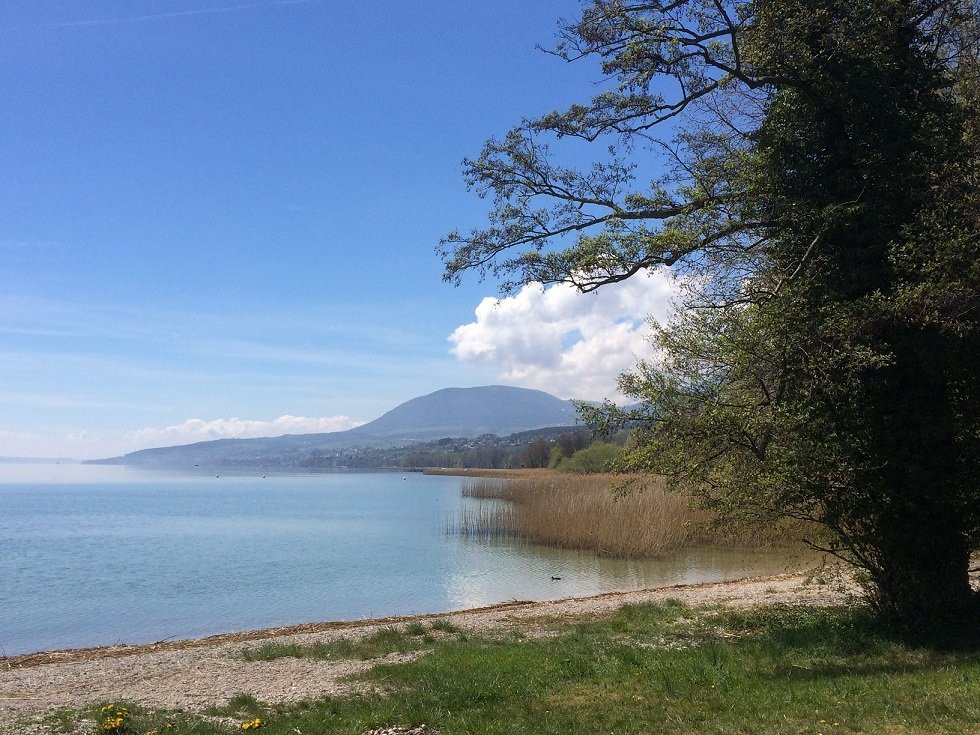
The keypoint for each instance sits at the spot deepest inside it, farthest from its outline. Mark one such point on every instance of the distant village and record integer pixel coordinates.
(536, 448)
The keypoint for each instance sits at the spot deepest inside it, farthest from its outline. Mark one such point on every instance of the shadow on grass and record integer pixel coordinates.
(844, 642)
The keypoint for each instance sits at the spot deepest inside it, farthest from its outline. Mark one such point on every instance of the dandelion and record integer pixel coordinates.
(113, 717)
(252, 724)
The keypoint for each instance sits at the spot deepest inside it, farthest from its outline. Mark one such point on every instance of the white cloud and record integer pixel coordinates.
(32, 444)
(18, 444)
(559, 340)
(196, 430)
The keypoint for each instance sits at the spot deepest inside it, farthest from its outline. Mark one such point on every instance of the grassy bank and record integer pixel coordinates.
(647, 668)
(586, 512)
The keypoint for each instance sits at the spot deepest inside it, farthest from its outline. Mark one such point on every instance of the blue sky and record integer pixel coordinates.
(218, 218)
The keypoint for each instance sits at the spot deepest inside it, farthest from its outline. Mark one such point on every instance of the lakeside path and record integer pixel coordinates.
(195, 674)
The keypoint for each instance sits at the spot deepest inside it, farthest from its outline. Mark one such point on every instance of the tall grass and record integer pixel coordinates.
(586, 512)
(582, 512)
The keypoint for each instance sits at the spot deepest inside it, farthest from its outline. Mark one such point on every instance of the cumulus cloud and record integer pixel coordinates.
(559, 340)
(196, 430)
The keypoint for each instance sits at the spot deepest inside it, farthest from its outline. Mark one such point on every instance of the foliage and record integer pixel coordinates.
(815, 172)
(489, 451)
(538, 453)
(597, 457)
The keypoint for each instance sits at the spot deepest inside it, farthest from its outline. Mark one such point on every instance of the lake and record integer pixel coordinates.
(93, 555)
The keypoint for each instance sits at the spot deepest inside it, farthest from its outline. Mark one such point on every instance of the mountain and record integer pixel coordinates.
(492, 409)
(450, 412)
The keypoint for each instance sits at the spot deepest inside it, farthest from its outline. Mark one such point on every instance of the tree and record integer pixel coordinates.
(597, 457)
(816, 169)
(572, 441)
(537, 453)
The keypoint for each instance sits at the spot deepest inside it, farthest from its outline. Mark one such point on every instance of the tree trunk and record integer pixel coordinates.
(922, 584)
(924, 518)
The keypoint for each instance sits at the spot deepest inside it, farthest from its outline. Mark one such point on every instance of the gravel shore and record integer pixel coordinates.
(195, 674)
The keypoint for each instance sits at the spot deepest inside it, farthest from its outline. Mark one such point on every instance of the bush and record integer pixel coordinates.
(599, 457)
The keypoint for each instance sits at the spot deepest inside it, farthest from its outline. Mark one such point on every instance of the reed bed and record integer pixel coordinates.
(587, 512)
(583, 512)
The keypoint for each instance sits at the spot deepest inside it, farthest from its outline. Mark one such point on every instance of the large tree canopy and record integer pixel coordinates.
(814, 178)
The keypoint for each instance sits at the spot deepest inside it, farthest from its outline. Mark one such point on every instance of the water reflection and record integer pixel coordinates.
(530, 572)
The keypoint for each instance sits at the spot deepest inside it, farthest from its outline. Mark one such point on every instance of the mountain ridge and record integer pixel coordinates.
(448, 412)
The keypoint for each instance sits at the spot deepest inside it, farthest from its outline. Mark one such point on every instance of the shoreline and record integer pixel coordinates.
(117, 650)
(198, 673)
(523, 472)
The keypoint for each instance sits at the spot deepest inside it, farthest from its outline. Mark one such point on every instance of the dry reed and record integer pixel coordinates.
(586, 512)
(583, 512)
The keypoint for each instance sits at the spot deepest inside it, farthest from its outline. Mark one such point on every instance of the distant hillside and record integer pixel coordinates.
(492, 409)
(451, 412)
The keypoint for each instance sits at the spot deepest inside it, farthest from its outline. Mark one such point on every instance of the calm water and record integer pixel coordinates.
(97, 555)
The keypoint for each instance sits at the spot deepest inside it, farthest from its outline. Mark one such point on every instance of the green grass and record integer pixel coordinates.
(243, 706)
(385, 641)
(412, 637)
(444, 626)
(415, 628)
(649, 669)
